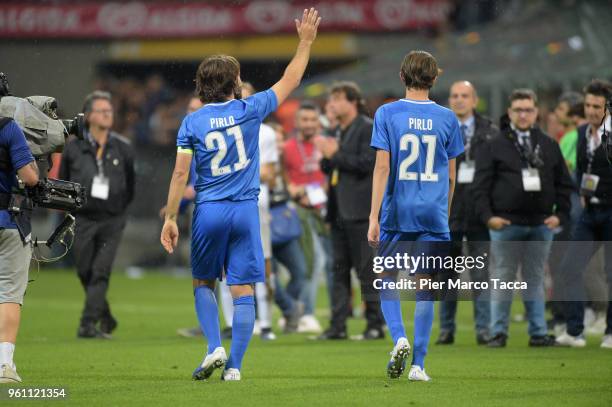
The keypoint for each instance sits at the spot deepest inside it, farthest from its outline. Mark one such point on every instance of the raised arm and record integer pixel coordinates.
(307, 31)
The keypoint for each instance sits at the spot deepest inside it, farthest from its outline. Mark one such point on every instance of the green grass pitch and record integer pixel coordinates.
(147, 364)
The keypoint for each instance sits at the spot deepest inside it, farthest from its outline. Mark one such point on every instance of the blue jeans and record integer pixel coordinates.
(322, 264)
(477, 245)
(291, 256)
(593, 229)
(527, 246)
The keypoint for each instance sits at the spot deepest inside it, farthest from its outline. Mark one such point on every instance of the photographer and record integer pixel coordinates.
(103, 164)
(522, 190)
(15, 249)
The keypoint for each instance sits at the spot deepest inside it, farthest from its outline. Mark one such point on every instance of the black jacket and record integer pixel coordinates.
(79, 165)
(600, 167)
(354, 160)
(463, 215)
(498, 185)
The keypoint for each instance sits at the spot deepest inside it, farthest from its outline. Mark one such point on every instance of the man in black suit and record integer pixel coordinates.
(349, 162)
(464, 222)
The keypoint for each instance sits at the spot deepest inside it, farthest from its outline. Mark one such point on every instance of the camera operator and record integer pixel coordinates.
(15, 249)
(103, 163)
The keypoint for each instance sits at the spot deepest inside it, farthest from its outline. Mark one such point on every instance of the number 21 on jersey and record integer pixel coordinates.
(412, 144)
(216, 139)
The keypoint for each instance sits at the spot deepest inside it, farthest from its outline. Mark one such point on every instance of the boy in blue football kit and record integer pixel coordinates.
(414, 178)
(222, 136)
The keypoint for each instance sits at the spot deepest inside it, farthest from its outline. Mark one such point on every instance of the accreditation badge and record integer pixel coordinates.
(466, 173)
(316, 194)
(531, 180)
(588, 185)
(100, 187)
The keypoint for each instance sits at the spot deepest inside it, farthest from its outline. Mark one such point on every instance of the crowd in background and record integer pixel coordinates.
(149, 111)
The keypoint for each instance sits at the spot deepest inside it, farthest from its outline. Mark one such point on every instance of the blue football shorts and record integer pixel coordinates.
(426, 244)
(226, 236)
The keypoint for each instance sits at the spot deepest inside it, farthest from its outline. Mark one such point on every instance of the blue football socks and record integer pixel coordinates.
(423, 321)
(242, 329)
(392, 311)
(208, 316)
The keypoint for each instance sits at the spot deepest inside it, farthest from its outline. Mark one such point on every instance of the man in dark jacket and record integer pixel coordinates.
(464, 221)
(349, 161)
(103, 163)
(594, 227)
(522, 190)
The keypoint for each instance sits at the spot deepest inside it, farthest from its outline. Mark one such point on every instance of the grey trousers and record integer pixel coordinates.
(14, 265)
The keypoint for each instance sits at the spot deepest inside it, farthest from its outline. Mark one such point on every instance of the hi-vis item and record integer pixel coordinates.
(100, 187)
(466, 172)
(335, 177)
(531, 180)
(589, 183)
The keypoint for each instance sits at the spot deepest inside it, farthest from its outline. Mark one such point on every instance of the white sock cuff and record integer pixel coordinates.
(6, 353)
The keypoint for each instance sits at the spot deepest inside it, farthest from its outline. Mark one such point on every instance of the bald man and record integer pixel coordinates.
(464, 222)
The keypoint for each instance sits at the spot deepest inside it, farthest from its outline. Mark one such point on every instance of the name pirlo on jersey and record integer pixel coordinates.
(420, 124)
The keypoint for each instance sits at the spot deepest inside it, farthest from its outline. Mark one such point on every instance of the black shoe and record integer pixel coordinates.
(542, 341)
(267, 334)
(498, 341)
(292, 320)
(372, 334)
(226, 333)
(90, 331)
(189, 332)
(482, 338)
(332, 334)
(445, 338)
(108, 325)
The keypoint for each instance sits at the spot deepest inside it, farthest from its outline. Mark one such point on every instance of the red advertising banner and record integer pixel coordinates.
(184, 20)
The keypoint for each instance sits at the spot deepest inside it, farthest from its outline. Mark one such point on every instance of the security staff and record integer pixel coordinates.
(103, 163)
(15, 249)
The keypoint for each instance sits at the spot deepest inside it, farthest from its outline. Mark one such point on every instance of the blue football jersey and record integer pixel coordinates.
(224, 138)
(421, 137)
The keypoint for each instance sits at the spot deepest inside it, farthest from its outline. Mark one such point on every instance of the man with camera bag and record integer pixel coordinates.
(103, 163)
(15, 249)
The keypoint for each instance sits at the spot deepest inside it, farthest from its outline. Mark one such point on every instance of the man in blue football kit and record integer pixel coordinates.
(223, 138)
(414, 178)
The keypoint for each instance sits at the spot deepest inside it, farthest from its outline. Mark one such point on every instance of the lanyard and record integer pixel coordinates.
(468, 147)
(590, 150)
(524, 151)
(100, 150)
(310, 164)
